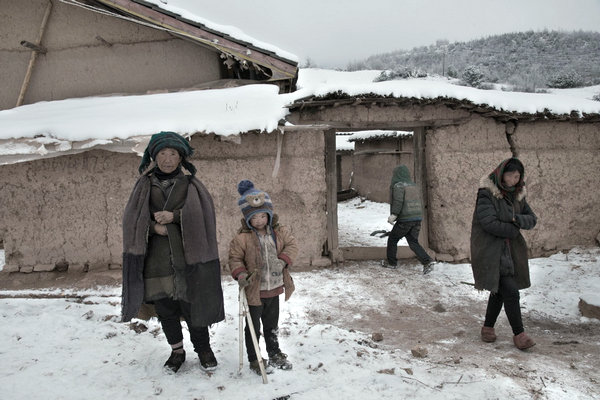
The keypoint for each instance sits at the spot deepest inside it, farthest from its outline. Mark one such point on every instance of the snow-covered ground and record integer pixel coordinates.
(358, 218)
(74, 348)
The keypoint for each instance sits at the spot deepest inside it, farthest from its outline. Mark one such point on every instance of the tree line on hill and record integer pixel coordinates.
(524, 61)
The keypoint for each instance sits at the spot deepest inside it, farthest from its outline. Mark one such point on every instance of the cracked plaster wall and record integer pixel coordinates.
(561, 162)
(69, 208)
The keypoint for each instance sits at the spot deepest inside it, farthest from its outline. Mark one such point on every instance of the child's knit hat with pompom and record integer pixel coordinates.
(253, 201)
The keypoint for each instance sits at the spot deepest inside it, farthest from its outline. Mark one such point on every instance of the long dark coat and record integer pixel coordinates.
(496, 219)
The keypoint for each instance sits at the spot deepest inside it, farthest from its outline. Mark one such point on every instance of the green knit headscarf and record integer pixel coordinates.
(510, 164)
(172, 140)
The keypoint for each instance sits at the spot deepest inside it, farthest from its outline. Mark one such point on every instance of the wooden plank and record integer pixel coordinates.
(370, 125)
(34, 54)
(420, 170)
(371, 152)
(377, 253)
(280, 69)
(331, 184)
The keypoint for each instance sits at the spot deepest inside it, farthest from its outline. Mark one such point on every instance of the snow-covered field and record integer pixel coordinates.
(75, 348)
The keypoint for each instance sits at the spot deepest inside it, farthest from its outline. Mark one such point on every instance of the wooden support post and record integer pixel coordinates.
(420, 169)
(34, 54)
(331, 184)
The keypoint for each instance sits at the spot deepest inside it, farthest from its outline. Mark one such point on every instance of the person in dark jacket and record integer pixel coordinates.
(170, 254)
(498, 250)
(406, 214)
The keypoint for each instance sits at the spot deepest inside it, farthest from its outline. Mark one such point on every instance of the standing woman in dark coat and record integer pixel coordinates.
(498, 250)
(170, 254)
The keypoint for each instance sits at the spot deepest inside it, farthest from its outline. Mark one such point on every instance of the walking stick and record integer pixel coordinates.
(241, 330)
(244, 311)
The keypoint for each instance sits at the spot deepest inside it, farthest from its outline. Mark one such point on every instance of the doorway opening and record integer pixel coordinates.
(365, 160)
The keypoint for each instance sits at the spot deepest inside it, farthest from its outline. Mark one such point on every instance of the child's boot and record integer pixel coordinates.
(279, 360)
(256, 368)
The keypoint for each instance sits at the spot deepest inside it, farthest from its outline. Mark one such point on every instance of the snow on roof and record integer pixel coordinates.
(319, 82)
(226, 29)
(362, 136)
(62, 125)
(345, 140)
(342, 143)
(80, 124)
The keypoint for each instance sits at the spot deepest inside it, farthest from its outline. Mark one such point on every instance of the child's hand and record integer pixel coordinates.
(244, 279)
(392, 219)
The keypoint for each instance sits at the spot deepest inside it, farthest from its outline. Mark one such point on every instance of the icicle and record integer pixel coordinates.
(42, 150)
(278, 158)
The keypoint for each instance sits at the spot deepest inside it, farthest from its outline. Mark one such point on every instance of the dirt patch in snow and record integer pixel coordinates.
(418, 311)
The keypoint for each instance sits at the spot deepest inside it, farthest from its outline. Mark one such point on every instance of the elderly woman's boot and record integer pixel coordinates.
(176, 360)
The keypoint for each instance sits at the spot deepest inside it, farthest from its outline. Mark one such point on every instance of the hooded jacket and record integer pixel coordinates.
(405, 196)
(497, 222)
(245, 256)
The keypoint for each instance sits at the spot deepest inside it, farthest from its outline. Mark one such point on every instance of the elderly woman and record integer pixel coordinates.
(498, 250)
(170, 255)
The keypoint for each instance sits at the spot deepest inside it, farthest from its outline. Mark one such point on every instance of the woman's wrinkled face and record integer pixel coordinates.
(510, 179)
(259, 221)
(168, 160)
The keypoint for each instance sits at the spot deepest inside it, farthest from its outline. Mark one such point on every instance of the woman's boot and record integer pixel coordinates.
(487, 334)
(522, 341)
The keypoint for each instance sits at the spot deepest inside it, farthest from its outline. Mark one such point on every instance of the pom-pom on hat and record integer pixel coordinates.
(253, 201)
(159, 141)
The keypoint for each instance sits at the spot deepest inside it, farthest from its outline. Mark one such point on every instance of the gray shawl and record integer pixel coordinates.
(198, 229)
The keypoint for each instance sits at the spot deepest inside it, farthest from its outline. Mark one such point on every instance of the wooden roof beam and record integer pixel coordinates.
(280, 69)
(391, 126)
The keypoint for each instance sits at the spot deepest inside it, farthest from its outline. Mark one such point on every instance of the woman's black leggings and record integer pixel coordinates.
(169, 313)
(508, 295)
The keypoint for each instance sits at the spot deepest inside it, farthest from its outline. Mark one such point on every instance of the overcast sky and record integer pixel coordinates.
(333, 33)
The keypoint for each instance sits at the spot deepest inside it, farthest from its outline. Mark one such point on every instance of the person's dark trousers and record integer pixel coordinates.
(410, 230)
(268, 313)
(508, 295)
(169, 313)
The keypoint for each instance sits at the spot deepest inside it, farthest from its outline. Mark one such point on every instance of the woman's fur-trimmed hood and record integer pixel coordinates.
(486, 183)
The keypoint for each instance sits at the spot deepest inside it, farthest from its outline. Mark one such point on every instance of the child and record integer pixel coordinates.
(405, 214)
(259, 257)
